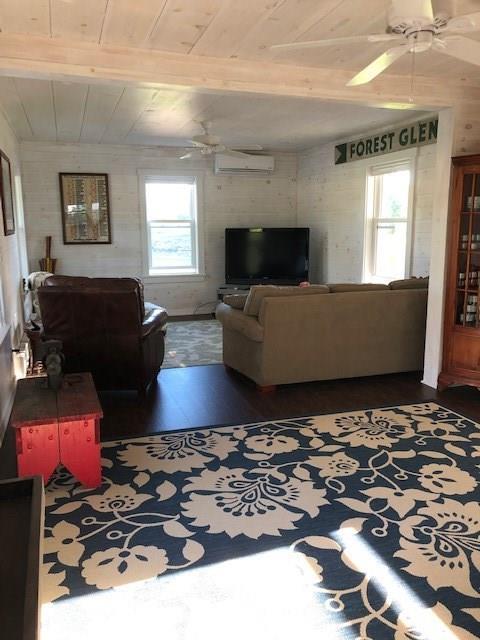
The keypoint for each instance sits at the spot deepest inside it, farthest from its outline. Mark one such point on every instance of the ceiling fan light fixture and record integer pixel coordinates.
(207, 144)
(420, 41)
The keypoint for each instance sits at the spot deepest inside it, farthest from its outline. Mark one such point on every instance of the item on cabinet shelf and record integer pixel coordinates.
(464, 242)
(475, 244)
(85, 208)
(48, 263)
(470, 318)
(461, 352)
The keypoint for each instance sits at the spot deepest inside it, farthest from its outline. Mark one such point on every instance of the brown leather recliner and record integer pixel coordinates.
(105, 329)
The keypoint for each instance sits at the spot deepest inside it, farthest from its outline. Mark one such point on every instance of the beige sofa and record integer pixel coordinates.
(281, 335)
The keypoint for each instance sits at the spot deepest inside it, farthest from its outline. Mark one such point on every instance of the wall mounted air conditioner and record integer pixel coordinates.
(252, 164)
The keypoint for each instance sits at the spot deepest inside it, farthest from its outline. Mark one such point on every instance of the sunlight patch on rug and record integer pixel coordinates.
(372, 516)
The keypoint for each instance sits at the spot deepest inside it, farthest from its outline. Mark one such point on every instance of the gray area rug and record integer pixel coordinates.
(192, 343)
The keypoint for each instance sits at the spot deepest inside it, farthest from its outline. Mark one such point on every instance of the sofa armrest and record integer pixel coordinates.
(155, 320)
(236, 320)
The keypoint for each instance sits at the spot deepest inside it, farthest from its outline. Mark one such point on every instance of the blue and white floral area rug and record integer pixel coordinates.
(378, 512)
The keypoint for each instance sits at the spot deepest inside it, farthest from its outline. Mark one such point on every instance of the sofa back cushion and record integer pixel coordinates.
(409, 283)
(345, 287)
(257, 294)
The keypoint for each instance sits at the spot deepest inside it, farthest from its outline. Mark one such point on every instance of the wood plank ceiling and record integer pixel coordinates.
(53, 111)
(229, 28)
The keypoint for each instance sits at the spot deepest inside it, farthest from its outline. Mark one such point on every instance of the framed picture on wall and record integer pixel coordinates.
(6, 195)
(85, 208)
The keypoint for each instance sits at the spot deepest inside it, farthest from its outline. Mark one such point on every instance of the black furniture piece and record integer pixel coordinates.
(105, 328)
(21, 535)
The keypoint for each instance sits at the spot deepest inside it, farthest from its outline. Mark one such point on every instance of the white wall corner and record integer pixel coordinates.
(438, 259)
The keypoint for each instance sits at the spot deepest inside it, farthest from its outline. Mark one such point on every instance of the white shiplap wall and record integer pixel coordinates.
(12, 269)
(331, 201)
(228, 201)
(308, 190)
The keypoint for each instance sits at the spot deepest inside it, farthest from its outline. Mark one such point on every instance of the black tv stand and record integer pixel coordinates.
(231, 289)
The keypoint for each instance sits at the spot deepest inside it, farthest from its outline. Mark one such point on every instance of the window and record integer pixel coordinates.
(172, 224)
(388, 228)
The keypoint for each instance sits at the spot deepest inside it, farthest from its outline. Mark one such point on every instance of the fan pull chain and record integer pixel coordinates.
(412, 75)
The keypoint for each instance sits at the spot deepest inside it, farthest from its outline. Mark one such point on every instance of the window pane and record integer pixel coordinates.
(391, 245)
(170, 200)
(171, 245)
(395, 189)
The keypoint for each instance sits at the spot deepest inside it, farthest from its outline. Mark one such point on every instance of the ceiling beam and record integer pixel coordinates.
(57, 59)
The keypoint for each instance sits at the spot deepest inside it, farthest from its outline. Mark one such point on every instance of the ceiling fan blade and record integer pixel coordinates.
(419, 12)
(235, 154)
(198, 144)
(468, 22)
(459, 47)
(379, 65)
(311, 44)
(249, 147)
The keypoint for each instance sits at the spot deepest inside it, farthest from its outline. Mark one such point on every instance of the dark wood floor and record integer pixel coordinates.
(210, 395)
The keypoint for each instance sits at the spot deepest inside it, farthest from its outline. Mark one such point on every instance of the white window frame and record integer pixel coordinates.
(173, 274)
(372, 206)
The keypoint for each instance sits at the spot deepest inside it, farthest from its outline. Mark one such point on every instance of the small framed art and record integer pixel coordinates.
(6, 195)
(85, 208)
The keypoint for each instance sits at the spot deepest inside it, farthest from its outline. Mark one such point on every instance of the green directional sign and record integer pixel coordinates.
(341, 153)
(413, 135)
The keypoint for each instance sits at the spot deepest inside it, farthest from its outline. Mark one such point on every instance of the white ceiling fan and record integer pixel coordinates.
(413, 26)
(207, 144)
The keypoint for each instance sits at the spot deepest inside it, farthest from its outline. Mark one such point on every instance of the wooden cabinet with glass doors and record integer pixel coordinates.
(461, 352)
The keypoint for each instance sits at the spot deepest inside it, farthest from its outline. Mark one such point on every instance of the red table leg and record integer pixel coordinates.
(80, 450)
(37, 450)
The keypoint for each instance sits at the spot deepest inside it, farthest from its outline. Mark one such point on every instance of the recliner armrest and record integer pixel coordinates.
(155, 320)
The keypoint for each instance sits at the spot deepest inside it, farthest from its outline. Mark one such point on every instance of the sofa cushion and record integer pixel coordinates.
(236, 300)
(345, 287)
(409, 283)
(259, 292)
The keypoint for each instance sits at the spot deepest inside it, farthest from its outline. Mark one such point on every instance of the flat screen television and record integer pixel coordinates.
(264, 255)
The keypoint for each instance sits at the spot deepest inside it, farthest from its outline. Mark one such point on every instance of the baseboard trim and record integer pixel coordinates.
(196, 316)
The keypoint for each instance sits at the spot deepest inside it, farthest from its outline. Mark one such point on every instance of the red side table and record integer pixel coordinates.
(58, 427)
